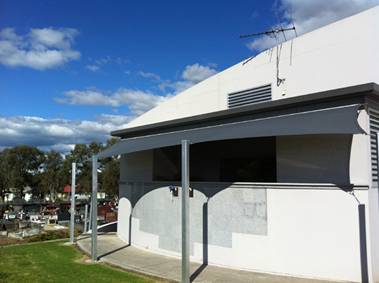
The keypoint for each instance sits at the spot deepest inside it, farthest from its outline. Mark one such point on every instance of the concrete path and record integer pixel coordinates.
(114, 251)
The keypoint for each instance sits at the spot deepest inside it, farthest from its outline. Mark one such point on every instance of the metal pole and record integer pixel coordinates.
(185, 213)
(363, 243)
(94, 209)
(90, 215)
(72, 216)
(85, 229)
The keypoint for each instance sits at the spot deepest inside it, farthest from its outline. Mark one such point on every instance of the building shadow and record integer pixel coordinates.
(130, 227)
(113, 251)
(201, 268)
(82, 237)
(87, 235)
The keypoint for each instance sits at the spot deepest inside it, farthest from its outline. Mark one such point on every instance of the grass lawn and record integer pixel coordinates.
(54, 262)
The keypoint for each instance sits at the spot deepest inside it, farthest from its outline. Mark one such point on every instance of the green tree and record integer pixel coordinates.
(47, 173)
(5, 180)
(22, 165)
(110, 177)
(82, 155)
(110, 172)
(51, 177)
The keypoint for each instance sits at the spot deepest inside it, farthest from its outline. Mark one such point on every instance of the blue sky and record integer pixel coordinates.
(71, 71)
(159, 37)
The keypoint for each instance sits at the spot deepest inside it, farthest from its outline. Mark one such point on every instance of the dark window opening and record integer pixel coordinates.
(240, 160)
(247, 170)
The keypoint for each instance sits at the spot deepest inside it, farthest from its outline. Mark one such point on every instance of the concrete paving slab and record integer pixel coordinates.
(113, 250)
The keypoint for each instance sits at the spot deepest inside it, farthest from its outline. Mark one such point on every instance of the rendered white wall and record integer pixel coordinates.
(311, 233)
(123, 223)
(360, 166)
(373, 233)
(339, 55)
(133, 167)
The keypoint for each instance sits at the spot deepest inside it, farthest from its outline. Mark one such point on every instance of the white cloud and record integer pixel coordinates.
(93, 68)
(97, 64)
(60, 147)
(39, 49)
(137, 101)
(48, 37)
(263, 43)
(63, 134)
(57, 134)
(149, 75)
(196, 73)
(191, 75)
(114, 119)
(309, 15)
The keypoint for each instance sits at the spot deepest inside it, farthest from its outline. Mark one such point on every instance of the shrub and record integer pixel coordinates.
(49, 235)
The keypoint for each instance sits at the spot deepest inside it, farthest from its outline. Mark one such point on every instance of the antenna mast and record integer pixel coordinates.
(274, 34)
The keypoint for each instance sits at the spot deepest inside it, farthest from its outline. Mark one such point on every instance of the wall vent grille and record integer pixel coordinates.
(374, 129)
(249, 96)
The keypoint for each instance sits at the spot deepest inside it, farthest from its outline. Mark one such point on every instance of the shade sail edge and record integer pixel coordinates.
(335, 120)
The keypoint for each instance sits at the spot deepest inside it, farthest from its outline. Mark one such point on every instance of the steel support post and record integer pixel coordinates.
(72, 208)
(85, 228)
(94, 209)
(185, 213)
(90, 215)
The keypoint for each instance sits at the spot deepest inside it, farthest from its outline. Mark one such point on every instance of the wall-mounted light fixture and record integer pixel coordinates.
(174, 191)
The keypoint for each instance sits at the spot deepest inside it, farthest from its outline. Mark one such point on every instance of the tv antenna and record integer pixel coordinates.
(273, 33)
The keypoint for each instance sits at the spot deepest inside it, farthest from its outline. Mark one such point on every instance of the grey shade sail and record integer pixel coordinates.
(336, 120)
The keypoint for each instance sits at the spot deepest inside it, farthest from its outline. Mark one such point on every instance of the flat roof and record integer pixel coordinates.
(347, 93)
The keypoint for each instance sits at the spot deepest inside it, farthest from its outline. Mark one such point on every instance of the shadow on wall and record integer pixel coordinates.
(200, 269)
(134, 191)
(201, 210)
(126, 208)
(227, 210)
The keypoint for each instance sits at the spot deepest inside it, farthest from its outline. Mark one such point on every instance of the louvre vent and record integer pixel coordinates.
(249, 96)
(374, 129)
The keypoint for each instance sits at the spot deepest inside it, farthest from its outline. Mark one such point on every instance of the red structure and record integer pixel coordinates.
(67, 189)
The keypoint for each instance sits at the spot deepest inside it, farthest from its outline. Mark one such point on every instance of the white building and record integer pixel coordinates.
(11, 195)
(283, 161)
